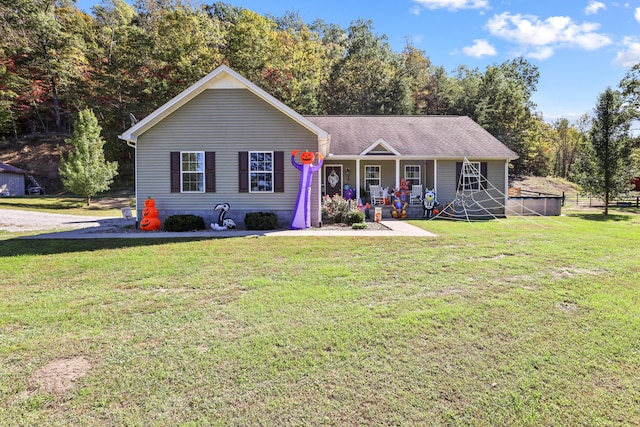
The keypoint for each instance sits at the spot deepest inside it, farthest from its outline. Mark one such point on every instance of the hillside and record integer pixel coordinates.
(41, 157)
(545, 185)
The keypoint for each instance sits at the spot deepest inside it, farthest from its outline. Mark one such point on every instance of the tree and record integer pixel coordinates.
(568, 143)
(630, 86)
(369, 79)
(605, 169)
(86, 172)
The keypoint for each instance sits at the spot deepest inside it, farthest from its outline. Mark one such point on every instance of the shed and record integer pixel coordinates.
(12, 180)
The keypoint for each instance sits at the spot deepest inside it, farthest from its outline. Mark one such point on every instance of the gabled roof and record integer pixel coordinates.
(8, 168)
(444, 137)
(222, 77)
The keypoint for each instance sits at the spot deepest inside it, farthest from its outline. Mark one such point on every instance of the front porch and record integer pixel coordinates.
(354, 178)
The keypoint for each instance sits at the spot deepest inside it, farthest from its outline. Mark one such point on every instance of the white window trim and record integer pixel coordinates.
(419, 173)
(477, 175)
(202, 172)
(272, 172)
(366, 180)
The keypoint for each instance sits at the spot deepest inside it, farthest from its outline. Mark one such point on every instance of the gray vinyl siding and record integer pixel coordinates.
(446, 191)
(225, 121)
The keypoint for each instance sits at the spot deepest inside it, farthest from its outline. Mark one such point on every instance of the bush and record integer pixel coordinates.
(260, 221)
(359, 226)
(335, 208)
(184, 223)
(353, 217)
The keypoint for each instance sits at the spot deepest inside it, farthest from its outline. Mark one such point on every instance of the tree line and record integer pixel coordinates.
(124, 61)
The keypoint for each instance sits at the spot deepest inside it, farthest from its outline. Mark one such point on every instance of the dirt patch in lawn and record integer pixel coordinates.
(59, 375)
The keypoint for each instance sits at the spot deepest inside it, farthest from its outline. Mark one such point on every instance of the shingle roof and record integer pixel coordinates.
(8, 168)
(432, 136)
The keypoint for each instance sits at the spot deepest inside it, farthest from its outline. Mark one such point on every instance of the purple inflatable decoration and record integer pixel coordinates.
(302, 214)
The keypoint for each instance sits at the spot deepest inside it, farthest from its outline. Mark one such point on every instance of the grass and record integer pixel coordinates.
(104, 205)
(518, 322)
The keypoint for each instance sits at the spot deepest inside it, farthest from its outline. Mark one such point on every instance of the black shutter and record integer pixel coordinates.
(210, 171)
(243, 171)
(278, 171)
(483, 175)
(458, 173)
(175, 171)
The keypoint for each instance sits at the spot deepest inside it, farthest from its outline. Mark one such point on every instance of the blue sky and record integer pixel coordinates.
(580, 47)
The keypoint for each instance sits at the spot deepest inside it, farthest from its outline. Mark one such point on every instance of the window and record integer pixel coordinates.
(371, 176)
(412, 174)
(192, 171)
(471, 176)
(261, 171)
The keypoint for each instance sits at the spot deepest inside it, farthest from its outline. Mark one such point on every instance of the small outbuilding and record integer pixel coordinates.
(12, 180)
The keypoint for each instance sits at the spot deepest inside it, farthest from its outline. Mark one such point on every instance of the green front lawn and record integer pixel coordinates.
(517, 322)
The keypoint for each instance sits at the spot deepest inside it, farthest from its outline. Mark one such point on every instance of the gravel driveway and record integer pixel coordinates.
(17, 220)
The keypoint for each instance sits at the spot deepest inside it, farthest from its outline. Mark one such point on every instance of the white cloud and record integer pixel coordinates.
(637, 14)
(630, 56)
(594, 7)
(543, 37)
(454, 4)
(541, 53)
(479, 49)
(415, 10)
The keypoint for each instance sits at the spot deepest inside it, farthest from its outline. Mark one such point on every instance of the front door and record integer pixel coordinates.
(333, 180)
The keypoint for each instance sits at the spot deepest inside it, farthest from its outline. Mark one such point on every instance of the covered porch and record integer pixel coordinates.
(354, 178)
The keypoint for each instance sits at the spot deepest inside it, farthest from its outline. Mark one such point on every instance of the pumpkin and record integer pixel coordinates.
(150, 224)
(149, 212)
(150, 219)
(307, 157)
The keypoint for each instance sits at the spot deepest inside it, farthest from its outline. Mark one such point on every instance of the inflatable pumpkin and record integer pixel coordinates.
(150, 224)
(150, 221)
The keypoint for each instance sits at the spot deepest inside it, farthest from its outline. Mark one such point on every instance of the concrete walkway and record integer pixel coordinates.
(110, 229)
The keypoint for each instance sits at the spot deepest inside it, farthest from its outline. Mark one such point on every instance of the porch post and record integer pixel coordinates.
(506, 186)
(435, 175)
(357, 179)
(397, 173)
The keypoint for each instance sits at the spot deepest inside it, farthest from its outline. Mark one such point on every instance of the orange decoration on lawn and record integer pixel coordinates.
(150, 220)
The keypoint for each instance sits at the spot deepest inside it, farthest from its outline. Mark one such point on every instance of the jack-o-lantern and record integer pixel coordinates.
(150, 219)
(306, 157)
(149, 212)
(150, 224)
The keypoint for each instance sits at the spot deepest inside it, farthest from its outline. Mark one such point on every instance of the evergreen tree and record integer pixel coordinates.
(605, 168)
(86, 172)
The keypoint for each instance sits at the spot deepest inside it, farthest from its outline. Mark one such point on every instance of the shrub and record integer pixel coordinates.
(335, 208)
(260, 221)
(184, 223)
(359, 226)
(353, 217)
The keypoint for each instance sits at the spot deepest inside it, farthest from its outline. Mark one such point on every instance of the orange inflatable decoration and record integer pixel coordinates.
(150, 220)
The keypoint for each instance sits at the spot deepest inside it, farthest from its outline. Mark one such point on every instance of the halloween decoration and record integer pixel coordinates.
(150, 221)
(429, 203)
(348, 192)
(302, 214)
(399, 206)
(404, 189)
(223, 223)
